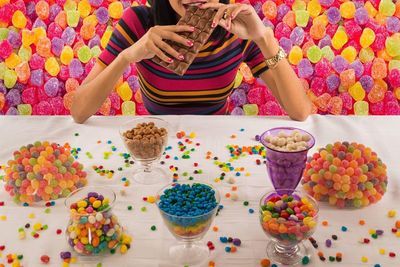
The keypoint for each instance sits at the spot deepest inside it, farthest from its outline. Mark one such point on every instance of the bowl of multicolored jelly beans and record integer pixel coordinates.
(288, 217)
(286, 154)
(345, 174)
(92, 228)
(188, 211)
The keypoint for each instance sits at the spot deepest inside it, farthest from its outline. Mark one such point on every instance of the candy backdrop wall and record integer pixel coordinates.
(347, 54)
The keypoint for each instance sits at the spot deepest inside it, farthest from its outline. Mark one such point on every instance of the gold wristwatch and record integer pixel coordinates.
(273, 61)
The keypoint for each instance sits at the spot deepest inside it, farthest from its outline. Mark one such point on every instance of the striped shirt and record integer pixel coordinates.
(206, 85)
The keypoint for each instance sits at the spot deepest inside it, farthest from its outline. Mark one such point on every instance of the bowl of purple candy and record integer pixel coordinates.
(286, 155)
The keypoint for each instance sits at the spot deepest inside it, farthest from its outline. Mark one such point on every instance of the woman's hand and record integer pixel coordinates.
(153, 44)
(239, 19)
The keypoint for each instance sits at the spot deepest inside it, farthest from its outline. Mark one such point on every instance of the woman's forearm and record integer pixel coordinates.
(95, 89)
(288, 88)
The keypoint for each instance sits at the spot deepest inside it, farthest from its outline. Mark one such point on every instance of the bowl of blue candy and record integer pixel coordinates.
(188, 210)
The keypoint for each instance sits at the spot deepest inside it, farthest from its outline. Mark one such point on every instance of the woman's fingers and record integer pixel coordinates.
(167, 48)
(158, 52)
(170, 35)
(220, 15)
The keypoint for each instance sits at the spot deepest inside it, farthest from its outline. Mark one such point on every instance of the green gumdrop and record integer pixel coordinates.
(393, 46)
(25, 53)
(95, 51)
(24, 109)
(366, 55)
(361, 108)
(84, 54)
(72, 18)
(3, 33)
(314, 54)
(128, 108)
(394, 64)
(387, 8)
(250, 109)
(302, 17)
(3, 69)
(10, 78)
(70, 6)
(327, 53)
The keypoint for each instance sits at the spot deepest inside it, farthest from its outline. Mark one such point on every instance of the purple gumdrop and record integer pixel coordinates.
(57, 44)
(39, 23)
(133, 83)
(19, 86)
(305, 69)
(36, 62)
(326, 3)
(325, 41)
(332, 83)
(3, 88)
(102, 15)
(76, 69)
(12, 111)
(238, 98)
(339, 64)
(30, 10)
(14, 39)
(347, 100)
(366, 82)
(95, 41)
(333, 15)
(361, 16)
(237, 111)
(57, 105)
(297, 36)
(36, 78)
(268, 23)
(127, 72)
(286, 44)
(96, 3)
(245, 87)
(53, 11)
(358, 3)
(282, 10)
(126, 3)
(51, 87)
(13, 98)
(393, 24)
(358, 68)
(68, 36)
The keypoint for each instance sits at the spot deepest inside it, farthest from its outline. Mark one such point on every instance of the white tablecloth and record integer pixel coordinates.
(214, 133)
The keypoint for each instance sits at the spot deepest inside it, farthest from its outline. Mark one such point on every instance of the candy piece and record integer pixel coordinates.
(367, 37)
(124, 91)
(84, 8)
(333, 15)
(339, 64)
(349, 53)
(357, 91)
(327, 53)
(19, 20)
(366, 55)
(302, 17)
(314, 8)
(379, 69)
(102, 15)
(392, 45)
(52, 67)
(10, 78)
(305, 69)
(361, 16)
(269, 10)
(387, 8)
(115, 10)
(72, 18)
(347, 10)
(42, 9)
(295, 55)
(339, 39)
(314, 54)
(367, 82)
(250, 109)
(84, 54)
(378, 91)
(128, 108)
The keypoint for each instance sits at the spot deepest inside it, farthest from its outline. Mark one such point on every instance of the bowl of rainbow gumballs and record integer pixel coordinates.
(188, 211)
(288, 217)
(93, 228)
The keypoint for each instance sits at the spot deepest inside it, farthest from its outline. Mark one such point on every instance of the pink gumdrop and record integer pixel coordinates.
(5, 49)
(36, 62)
(379, 42)
(353, 30)
(29, 96)
(323, 68)
(43, 108)
(392, 108)
(57, 105)
(20, 5)
(141, 109)
(377, 108)
(54, 31)
(318, 86)
(64, 73)
(271, 108)
(389, 96)
(115, 101)
(6, 13)
(256, 96)
(42, 96)
(368, 68)
(394, 78)
(89, 66)
(282, 30)
(331, 29)
(347, 100)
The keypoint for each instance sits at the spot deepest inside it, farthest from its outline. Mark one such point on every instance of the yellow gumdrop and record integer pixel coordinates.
(12, 61)
(349, 53)
(19, 20)
(347, 10)
(124, 91)
(115, 10)
(51, 66)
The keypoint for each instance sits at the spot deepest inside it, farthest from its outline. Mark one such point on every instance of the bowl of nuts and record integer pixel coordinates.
(286, 156)
(145, 139)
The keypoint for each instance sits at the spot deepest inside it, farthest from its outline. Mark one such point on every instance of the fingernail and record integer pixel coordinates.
(190, 43)
(170, 60)
(213, 24)
(192, 29)
(181, 57)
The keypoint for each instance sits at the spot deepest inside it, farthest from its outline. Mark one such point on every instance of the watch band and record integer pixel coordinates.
(273, 61)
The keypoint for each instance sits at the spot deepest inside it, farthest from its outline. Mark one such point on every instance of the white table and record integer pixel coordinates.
(214, 133)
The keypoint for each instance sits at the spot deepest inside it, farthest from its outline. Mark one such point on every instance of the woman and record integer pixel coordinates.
(239, 36)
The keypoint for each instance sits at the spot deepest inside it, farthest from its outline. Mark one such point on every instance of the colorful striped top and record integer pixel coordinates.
(206, 85)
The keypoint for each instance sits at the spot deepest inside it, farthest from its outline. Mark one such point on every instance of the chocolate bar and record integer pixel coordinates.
(201, 20)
